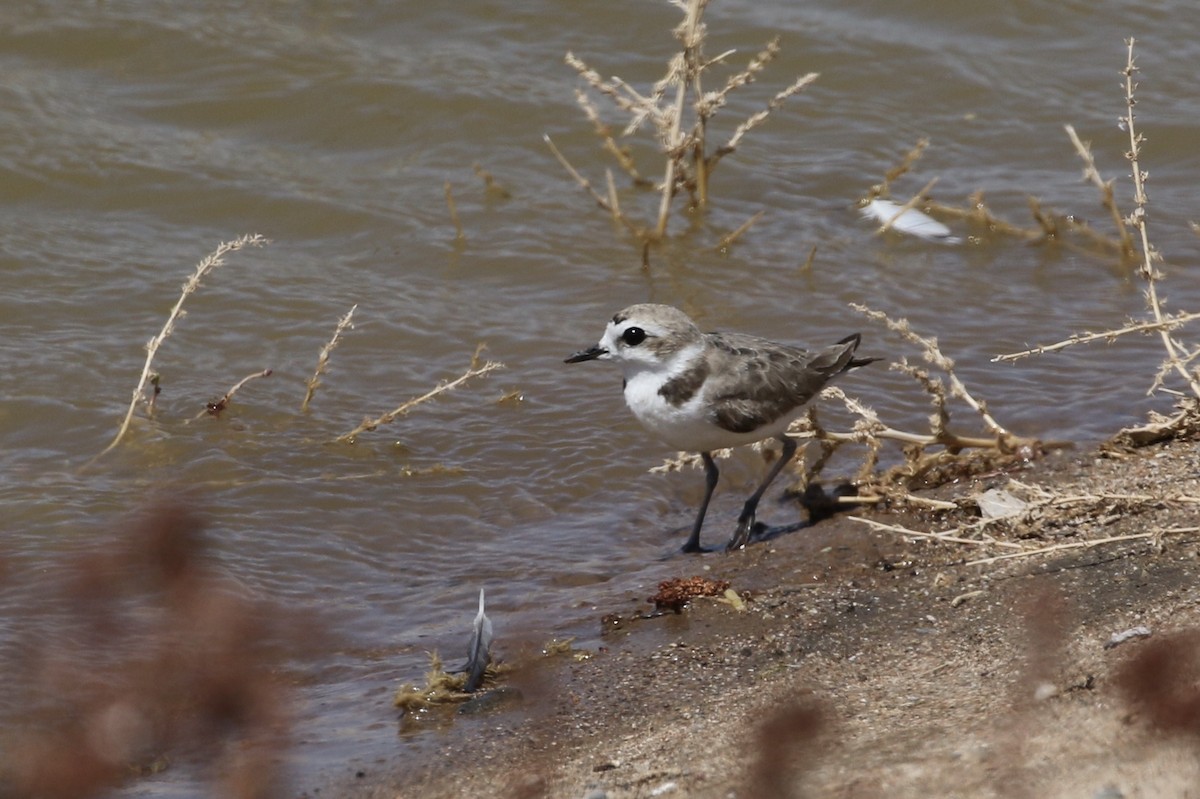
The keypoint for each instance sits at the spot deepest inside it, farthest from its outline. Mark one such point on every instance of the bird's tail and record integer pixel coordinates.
(851, 362)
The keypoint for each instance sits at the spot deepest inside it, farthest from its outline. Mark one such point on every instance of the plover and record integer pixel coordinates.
(700, 392)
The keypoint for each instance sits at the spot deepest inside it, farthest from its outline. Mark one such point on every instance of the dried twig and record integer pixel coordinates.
(729, 238)
(946, 535)
(1138, 220)
(935, 357)
(754, 120)
(475, 370)
(1179, 357)
(620, 154)
(882, 189)
(323, 358)
(1105, 187)
(1153, 536)
(1168, 322)
(806, 268)
(679, 111)
(583, 182)
(215, 408)
(208, 264)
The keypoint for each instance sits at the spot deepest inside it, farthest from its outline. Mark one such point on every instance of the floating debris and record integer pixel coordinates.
(908, 220)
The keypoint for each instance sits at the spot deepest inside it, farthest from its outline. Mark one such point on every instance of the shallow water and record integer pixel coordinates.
(138, 135)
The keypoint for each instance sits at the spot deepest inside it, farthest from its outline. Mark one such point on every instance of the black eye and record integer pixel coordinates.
(633, 336)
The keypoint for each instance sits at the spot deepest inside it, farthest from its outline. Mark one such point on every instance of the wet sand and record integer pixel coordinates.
(884, 667)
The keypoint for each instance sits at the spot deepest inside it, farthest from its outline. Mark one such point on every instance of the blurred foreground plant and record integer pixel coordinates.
(143, 655)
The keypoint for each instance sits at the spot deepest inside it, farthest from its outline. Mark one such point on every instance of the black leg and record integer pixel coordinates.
(711, 473)
(746, 521)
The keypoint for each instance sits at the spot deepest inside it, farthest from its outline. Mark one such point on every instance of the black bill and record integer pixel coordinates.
(590, 354)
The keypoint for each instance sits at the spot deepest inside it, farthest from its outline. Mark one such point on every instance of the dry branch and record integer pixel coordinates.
(208, 264)
(475, 370)
(1178, 356)
(1138, 220)
(1105, 187)
(1168, 323)
(934, 356)
(323, 358)
(679, 110)
(586, 185)
(947, 536)
(729, 238)
(215, 408)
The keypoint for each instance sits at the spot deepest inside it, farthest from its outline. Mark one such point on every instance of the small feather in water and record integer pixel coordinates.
(911, 221)
(481, 643)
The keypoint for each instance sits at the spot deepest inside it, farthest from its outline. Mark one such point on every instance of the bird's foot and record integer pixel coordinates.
(694, 548)
(741, 536)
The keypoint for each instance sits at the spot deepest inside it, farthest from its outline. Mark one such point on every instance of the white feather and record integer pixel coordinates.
(910, 221)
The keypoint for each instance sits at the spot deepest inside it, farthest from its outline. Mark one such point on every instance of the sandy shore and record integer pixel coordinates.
(868, 664)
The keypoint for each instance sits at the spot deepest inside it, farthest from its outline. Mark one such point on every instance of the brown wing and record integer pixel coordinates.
(773, 379)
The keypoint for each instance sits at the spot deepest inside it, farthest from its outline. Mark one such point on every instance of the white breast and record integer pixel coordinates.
(688, 426)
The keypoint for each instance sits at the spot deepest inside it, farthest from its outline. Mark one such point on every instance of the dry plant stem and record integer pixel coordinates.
(223, 402)
(882, 189)
(622, 157)
(1106, 190)
(1168, 323)
(1023, 551)
(323, 358)
(943, 536)
(1046, 222)
(683, 139)
(757, 119)
(877, 429)
(587, 186)
(729, 238)
(807, 267)
(613, 201)
(1138, 220)
(208, 264)
(980, 214)
(476, 370)
(911, 499)
(674, 138)
(934, 356)
(903, 436)
(459, 234)
(1081, 545)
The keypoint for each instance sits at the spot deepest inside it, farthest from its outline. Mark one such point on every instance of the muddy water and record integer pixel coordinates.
(138, 135)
